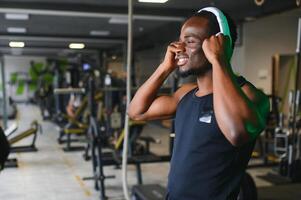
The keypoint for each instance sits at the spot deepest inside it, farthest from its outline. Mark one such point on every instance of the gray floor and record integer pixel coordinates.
(51, 174)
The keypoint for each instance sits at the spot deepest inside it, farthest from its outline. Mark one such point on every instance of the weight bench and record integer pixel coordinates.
(30, 132)
(12, 162)
(149, 192)
(11, 129)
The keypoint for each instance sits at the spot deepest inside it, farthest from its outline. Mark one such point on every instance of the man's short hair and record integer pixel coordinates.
(214, 26)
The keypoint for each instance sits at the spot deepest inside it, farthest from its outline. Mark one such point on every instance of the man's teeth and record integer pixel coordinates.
(182, 60)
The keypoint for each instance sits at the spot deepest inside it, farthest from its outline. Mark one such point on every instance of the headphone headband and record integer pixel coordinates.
(222, 21)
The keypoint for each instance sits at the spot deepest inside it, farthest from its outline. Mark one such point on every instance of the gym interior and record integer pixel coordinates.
(70, 67)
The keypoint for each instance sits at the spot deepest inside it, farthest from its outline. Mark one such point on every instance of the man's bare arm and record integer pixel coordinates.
(146, 105)
(161, 107)
(240, 112)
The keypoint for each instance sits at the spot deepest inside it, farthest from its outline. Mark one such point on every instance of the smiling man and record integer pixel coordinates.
(217, 119)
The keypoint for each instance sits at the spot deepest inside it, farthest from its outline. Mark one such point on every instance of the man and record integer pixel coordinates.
(74, 102)
(217, 119)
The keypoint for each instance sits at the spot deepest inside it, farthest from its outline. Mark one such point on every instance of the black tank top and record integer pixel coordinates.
(204, 164)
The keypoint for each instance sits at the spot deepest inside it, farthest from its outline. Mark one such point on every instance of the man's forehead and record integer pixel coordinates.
(196, 21)
(195, 24)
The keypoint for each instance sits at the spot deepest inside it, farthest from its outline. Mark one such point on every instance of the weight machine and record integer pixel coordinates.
(287, 139)
(98, 136)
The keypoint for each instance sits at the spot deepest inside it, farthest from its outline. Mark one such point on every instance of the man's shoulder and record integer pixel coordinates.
(183, 90)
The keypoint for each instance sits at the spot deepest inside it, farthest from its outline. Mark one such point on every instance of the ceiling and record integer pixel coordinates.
(53, 24)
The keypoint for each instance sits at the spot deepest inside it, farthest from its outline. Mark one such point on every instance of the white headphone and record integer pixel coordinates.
(222, 22)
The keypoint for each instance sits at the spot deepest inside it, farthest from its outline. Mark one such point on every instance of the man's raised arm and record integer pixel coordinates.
(146, 105)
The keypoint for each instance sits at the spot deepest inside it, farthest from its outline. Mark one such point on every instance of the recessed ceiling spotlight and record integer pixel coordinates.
(259, 2)
(16, 30)
(16, 16)
(76, 45)
(15, 44)
(99, 33)
(153, 1)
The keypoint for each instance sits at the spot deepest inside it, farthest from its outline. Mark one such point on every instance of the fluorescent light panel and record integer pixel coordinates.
(99, 33)
(15, 44)
(76, 45)
(118, 20)
(16, 16)
(16, 30)
(153, 1)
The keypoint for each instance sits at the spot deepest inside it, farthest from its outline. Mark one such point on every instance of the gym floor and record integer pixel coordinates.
(52, 174)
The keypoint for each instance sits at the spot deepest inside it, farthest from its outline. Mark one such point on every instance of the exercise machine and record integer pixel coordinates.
(73, 126)
(287, 141)
(287, 138)
(104, 148)
(264, 154)
(247, 191)
(32, 131)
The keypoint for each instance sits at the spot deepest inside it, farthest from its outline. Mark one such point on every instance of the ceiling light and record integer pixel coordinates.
(259, 2)
(118, 20)
(76, 45)
(249, 19)
(99, 33)
(16, 44)
(16, 16)
(16, 30)
(153, 1)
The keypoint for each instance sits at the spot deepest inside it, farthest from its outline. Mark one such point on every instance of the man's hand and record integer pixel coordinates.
(216, 48)
(169, 60)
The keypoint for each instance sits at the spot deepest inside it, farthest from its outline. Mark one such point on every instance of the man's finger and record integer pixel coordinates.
(175, 49)
(177, 44)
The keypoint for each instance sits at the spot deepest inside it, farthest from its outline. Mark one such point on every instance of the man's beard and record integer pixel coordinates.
(199, 71)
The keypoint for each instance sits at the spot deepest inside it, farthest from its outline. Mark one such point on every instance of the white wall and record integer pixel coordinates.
(261, 40)
(19, 64)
